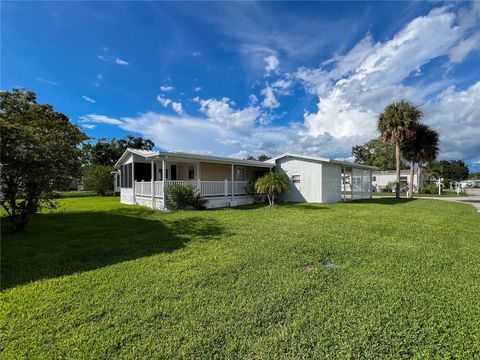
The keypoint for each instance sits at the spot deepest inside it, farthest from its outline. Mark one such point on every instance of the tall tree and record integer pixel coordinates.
(458, 170)
(451, 169)
(262, 157)
(474, 176)
(376, 153)
(106, 152)
(422, 147)
(40, 152)
(396, 124)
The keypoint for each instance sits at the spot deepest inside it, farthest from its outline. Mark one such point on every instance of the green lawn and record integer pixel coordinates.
(97, 279)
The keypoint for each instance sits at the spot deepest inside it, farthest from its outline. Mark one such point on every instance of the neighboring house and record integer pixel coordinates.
(222, 181)
(316, 179)
(77, 184)
(116, 182)
(380, 179)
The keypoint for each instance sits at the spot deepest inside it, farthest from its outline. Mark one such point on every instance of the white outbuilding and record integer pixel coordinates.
(322, 180)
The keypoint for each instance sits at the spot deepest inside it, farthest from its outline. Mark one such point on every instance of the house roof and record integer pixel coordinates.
(150, 154)
(322, 159)
(392, 172)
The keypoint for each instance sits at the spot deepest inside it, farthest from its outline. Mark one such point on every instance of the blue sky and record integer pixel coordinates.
(248, 78)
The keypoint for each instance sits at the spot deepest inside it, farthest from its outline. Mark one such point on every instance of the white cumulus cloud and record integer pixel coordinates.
(269, 100)
(89, 99)
(121, 61)
(222, 112)
(272, 63)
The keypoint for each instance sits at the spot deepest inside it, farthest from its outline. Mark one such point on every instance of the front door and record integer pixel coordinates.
(173, 169)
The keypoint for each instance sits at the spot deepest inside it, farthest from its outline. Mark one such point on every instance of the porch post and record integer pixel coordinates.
(199, 181)
(344, 183)
(164, 177)
(152, 170)
(363, 188)
(232, 182)
(133, 182)
(370, 184)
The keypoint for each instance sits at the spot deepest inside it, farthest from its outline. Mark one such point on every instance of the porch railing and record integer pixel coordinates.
(207, 188)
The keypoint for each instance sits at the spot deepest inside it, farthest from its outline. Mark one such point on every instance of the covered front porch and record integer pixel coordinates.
(145, 177)
(206, 188)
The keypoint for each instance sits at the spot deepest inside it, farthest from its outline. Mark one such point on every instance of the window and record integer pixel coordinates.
(374, 178)
(295, 179)
(239, 174)
(191, 172)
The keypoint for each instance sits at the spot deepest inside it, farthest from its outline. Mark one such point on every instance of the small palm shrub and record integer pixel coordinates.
(252, 191)
(272, 184)
(183, 197)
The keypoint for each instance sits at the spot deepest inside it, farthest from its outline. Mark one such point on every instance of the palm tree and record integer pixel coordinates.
(396, 124)
(422, 147)
(435, 169)
(272, 184)
(428, 152)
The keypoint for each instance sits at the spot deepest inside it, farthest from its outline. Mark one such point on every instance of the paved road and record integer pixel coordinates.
(473, 198)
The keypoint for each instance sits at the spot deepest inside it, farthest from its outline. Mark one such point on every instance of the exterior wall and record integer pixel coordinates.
(331, 183)
(215, 172)
(116, 188)
(212, 203)
(182, 171)
(309, 189)
(383, 178)
(126, 196)
(147, 201)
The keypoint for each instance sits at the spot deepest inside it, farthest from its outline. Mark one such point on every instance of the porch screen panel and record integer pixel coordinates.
(366, 184)
(356, 184)
(130, 175)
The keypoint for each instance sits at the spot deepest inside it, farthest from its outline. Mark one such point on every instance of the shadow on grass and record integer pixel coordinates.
(383, 201)
(280, 205)
(304, 206)
(60, 244)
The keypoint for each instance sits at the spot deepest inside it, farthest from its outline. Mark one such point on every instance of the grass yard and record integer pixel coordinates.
(97, 279)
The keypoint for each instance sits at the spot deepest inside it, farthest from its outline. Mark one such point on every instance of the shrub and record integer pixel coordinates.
(252, 191)
(391, 186)
(272, 184)
(448, 183)
(99, 179)
(430, 189)
(184, 196)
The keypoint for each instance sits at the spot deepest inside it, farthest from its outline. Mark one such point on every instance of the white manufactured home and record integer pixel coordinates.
(317, 179)
(143, 175)
(382, 179)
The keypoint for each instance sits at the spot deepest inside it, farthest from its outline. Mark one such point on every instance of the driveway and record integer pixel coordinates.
(473, 198)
